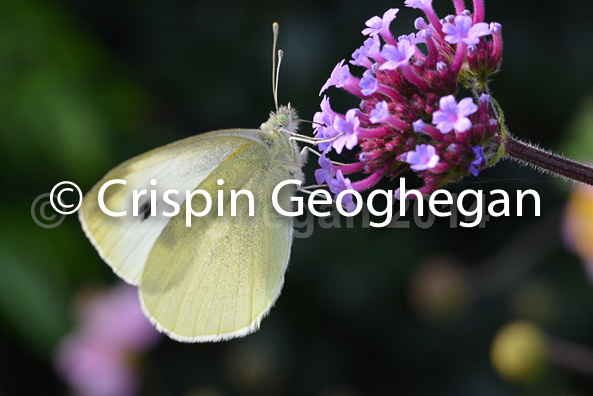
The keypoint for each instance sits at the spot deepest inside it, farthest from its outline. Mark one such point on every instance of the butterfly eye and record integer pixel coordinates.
(282, 119)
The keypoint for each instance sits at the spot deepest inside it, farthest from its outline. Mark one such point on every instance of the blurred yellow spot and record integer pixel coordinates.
(518, 352)
(578, 222)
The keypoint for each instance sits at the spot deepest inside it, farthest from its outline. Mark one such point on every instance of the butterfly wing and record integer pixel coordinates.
(125, 242)
(218, 279)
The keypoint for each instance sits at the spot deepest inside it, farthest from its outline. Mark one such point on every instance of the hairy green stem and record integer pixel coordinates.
(544, 160)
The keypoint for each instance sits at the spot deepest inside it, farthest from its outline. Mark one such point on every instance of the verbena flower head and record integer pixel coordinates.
(424, 103)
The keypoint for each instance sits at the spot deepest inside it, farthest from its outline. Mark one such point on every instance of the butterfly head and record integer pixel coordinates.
(285, 118)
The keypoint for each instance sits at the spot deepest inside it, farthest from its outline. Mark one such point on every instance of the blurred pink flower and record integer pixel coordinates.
(95, 359)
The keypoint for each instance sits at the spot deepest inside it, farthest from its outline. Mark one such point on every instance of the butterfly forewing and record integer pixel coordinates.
(125, 242)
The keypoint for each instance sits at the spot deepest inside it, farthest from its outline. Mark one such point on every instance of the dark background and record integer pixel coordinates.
(88, 84)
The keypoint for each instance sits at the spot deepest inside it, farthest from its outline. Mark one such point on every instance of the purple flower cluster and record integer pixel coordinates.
(96, 358)
(409, 116)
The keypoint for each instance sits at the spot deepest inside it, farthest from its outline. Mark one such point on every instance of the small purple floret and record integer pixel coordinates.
(324, 121)
(347, 126)
(463, 30)
(377, 25)
(424, 157)
(453, 116)
(397, 56)
(339, 77)
(419, 126)
(326, 172)
(339, 184)
(380, 113)
(479, 163)
(419, 4)
(420, 24)
(368, 84)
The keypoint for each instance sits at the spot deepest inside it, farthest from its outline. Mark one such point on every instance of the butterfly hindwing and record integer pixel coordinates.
(218, 279)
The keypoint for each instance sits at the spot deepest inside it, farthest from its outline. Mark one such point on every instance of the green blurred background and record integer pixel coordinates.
(87, 84)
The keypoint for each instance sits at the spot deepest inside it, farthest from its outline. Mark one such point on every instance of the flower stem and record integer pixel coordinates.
(570, 355)
(544, 160)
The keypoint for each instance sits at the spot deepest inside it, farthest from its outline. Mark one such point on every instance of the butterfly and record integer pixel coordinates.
(218, 278)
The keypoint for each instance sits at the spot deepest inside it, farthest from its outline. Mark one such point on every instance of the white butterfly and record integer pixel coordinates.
(217, 279)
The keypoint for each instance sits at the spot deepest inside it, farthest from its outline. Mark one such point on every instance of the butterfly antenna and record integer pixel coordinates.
(275, 28)
(280, 56)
